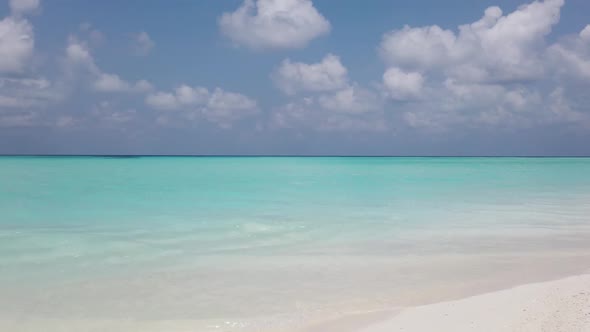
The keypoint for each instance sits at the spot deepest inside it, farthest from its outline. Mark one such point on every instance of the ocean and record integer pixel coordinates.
(270, 243)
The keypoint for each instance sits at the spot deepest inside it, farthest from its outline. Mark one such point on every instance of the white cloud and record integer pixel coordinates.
(456, 103)
(162, 101)
(327, 75)
(292, 114)
(24, 93)
(191, 96)
(110, 114)
(80, 60)
(225, 107)
(16, 44)
(402, 85)
(193, 103)
(494, 48)
(143, 86)
(309, 113)
(571, 56)
(274, 24)
(143, 43)
(24, 101)
(183, 96)
(498, 70)
(561, 109)
(78, 56)
(122, 117)
(24, 6)
(351, 99)
(113, 83)
(335, 103)
(418, 47)
(19, 94)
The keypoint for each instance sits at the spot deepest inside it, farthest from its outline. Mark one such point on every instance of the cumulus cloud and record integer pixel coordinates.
(112, 115)
(79, 60)
(571, 56)
(494, 48)
(292, 114)
(310, 113)
(182, 97)
(16, 44)
(110, 83)
(498, 70)
(162, 101)
(78, 56)
(402, 85)
(351, 99)
(563, 110)
(113, 83)
(23, 93)
(225, 107)
(24, 100)
(143, 44)
(24, 6)
(274, 24)
(329, 79)
(333, 102)
(327, 75)
(193, 103)
(27, 92)
(469, 105)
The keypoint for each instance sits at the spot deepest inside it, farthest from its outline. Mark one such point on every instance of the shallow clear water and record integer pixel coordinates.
(260, 240)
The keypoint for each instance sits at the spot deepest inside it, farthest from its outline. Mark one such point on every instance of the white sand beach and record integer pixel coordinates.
(555, 306)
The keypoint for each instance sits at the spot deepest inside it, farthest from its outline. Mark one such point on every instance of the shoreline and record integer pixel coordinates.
(561, 304)
(500, 274)
(557, 305)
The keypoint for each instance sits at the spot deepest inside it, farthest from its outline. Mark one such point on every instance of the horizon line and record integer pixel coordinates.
(292, 155)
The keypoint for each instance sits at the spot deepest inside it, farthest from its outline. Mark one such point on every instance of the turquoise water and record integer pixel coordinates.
(207, 234)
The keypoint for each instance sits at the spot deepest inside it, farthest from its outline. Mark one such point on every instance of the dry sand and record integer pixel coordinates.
(555, 306)
(562, 305)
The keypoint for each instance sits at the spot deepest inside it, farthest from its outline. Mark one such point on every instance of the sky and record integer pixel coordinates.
(295, 77)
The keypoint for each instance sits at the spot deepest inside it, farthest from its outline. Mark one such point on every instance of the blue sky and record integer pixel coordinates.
(420, 77)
